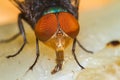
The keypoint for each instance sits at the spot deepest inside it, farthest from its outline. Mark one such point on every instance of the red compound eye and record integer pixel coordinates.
(46, 27)
(68, 24)
(48, 24)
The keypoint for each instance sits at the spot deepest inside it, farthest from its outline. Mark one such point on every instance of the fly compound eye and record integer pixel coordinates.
(68, 24)
(46, 27)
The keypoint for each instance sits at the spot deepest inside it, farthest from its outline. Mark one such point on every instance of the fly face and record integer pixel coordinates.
(60, 26)
(55, 24)
(49, 24)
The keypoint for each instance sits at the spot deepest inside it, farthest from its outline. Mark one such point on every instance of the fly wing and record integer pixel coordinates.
(19, 4)
(75, 3)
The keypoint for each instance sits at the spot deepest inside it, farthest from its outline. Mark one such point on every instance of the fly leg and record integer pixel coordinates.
(59, 61)
(10, 39)
(73, 52)
(22, 32)
(37, 55)
(82, 46)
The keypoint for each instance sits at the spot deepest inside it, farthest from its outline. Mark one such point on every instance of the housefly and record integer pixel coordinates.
(55, 23)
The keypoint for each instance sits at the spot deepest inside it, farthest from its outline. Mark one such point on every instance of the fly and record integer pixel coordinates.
(55, 23)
